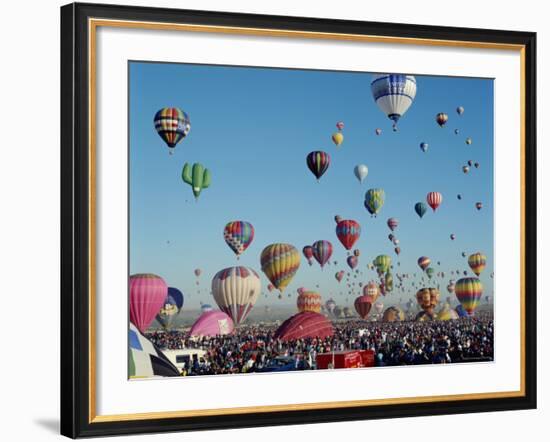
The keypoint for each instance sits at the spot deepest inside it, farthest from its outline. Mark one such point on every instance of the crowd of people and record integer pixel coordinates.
(253, 348)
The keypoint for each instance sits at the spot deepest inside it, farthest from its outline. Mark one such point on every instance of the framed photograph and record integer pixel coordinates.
(274, 220)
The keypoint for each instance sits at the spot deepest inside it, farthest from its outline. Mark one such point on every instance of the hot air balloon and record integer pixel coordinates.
(337, 138)
(318, 163)
(197, 272)
(337, 219)
(424, 262)
(397, 251)
(147, 295)
(452, 236)
(420, 209)
(173, 125)
(270, 287)
(280, 262)
(304, 325)
(378, 131)
(374, 200)
(330, 305)
(468, 292)
(379, 307)
(465, 169)
(430, 272)
(167, 313)
(340, 125)
(236, 290)
(451, 287)
(392, 224)
(459, 110)
(361, 171)
(339, 275)
(197, 177)
(476, 165)
(461, 312)
(206, 308)
(434, 199)
(388, 282)
(441, 119)
(477, 262)
(322, 251)
(457, 131)
(395, 241)
(447, 314)
(427, 299)
(309, 301)
(308, 253)
(470, 163)
(348, 232)
(394, 314)
(394, 94)
(424, 147)
(238, 235)
(479, 205)
(212, 323)
(459, 196)
(363, 305)
(352, 261)
(382, 263)
(468, 141)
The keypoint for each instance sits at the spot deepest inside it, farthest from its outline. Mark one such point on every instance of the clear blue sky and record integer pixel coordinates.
(253, 127)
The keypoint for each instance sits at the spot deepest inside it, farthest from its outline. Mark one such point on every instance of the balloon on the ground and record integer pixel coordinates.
(305, 325)
(212, 323)
(468, 292)
(393, 314)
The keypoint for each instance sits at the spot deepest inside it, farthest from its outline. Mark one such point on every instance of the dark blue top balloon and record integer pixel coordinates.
(177, 296)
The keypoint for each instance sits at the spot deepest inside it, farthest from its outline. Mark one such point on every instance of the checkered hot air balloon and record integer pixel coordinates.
(238, 235)
(172, 125)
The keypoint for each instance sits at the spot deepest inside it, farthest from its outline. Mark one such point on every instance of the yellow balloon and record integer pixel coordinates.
(280, 262)
(337, 138)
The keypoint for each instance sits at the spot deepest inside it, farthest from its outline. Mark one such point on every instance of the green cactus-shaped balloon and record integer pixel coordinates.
(197, 177)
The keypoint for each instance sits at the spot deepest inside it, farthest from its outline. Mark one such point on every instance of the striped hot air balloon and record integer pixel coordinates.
(318, 163)
(468, 292)
(280, 262)
(348, 232)
(393, 223)
(477, 262)
(307, 251)
(309, 301)
(238, 235)
(305, 325)
(363, 305)
(394, 94)
(322, 251)
(434, 199)
(172, 125)
(382, 263)
(147, 295)
(236, 290)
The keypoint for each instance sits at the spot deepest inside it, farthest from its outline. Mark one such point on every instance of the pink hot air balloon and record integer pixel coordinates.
(434, 199)
(212, 323)
(352, 261)
(308, 253)
(322, 251)
(340, 125)
(147, 295)
(393, 223)
(339, 275)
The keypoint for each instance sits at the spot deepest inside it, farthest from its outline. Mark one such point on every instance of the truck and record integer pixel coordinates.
(345, 359)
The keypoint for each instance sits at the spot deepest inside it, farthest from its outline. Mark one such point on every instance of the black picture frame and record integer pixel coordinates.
(75, 221)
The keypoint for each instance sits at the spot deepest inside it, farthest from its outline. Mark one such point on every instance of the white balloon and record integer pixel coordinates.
(361, 171)
(394, 94)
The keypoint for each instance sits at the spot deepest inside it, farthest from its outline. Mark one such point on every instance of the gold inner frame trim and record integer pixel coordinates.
(93, 24)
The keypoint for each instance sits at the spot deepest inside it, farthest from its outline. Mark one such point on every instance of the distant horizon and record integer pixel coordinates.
(241, 115)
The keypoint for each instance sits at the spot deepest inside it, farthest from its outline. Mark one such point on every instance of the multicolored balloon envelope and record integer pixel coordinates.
(374, 200)
(309, 301)
(147, 295)
(238, 235)
(236, 290)
(318, 163)
(305, 325)
(393, 314)
(172, 125)
(280, 262)
(322, 251)
(477, 262)
(348, 232)
(212, 323)
(468, 292)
